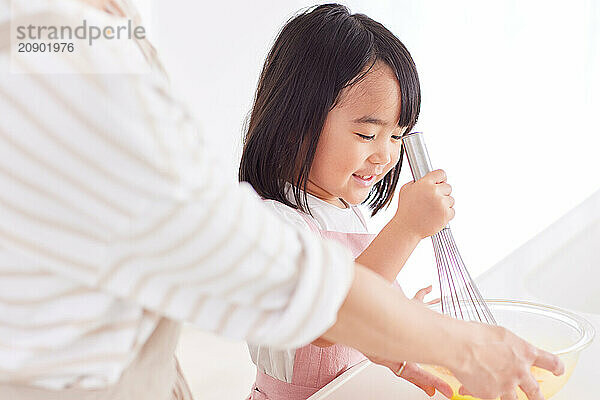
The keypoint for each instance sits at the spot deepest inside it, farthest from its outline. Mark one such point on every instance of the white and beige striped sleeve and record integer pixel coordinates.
(105, 180)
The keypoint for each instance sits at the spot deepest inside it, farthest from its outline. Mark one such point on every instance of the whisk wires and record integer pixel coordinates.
(460, 297)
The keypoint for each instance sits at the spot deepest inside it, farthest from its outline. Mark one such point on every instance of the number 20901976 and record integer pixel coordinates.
(46, 47)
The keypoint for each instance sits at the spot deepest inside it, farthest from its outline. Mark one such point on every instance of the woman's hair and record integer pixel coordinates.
(317, 54)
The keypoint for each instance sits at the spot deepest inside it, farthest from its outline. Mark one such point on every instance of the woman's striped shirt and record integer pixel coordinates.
(113, 213)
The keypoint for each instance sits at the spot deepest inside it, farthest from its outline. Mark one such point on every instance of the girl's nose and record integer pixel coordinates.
(382, 155)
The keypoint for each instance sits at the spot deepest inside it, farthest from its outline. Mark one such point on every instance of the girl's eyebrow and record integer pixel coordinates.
(368, 119)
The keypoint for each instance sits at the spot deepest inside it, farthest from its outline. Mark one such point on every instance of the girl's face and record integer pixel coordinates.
(360, 141)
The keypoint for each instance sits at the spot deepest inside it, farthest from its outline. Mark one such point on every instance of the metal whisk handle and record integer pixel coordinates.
(418, 157)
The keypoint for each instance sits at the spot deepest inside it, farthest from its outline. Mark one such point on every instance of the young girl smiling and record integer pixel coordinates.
(335, 96)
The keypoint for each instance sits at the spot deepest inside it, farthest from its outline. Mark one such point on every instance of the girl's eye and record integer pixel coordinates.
(366, 137)
(397, 137)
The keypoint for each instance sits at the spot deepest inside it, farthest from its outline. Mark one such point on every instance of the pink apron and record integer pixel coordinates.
(153, 375)
(314, 366)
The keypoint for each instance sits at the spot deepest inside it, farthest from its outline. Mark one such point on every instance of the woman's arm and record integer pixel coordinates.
(105, 181)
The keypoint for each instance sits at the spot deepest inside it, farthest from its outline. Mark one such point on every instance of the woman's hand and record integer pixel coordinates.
(417, 376)
(495, 362)
(425, 206)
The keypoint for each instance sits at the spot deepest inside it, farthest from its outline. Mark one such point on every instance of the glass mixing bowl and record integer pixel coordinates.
(549, 328)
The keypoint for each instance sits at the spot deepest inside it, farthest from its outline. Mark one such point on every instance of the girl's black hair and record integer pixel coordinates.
(317, 54)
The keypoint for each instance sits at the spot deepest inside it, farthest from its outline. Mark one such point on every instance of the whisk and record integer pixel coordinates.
(460, 297)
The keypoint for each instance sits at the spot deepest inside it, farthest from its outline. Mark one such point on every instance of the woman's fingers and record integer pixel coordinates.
(426, 381)
(392, 365)
(549, 362)
(405, 373)
(512, 396)
(531, 388)
(502, 363)
(463, 392)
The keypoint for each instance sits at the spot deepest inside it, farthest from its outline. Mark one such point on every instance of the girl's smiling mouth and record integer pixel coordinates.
(364, 180)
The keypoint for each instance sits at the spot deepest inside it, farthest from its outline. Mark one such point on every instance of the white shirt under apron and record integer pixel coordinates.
(279, 363)
(112, 215)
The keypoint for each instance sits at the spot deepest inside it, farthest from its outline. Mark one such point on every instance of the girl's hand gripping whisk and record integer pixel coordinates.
(425, 206)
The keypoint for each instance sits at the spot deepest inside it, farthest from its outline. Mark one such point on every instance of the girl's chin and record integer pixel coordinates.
(356, 198)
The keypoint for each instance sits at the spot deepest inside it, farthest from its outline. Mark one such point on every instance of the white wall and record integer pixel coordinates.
(510, 100)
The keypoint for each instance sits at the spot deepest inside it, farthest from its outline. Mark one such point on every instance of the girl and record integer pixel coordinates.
(336, 94)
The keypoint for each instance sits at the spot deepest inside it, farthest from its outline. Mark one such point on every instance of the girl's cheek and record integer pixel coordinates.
(391, 165)
(394, 161)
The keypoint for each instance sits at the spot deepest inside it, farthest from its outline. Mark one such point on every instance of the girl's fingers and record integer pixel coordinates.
(444, 189)
(437, 176)
(450, 201)
(451, 213)
(420, 295)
